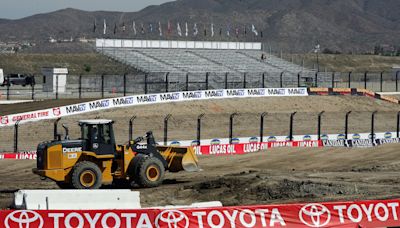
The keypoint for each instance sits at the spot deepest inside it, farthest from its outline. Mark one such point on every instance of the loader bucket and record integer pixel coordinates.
(179, 158)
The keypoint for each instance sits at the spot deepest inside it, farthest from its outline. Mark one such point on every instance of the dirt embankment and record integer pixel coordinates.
(215, 124)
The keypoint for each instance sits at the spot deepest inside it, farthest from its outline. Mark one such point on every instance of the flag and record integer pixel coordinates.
(160, 28)
(142, 27)
(115, 28)
(134, 27)
(254, 30)
(151, 27)
(94, 25)
(123, 26)
(104, 27)
(169, 27)
(187, 30)
(178, 28)
(195, 30)
(212, 30)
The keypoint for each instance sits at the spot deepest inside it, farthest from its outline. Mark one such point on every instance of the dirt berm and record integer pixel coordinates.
(279, 175)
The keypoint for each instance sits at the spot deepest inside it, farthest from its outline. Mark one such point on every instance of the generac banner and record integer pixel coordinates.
(103, 104)
(375, 213)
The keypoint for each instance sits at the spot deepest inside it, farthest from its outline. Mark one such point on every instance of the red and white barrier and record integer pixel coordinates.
(375, 213)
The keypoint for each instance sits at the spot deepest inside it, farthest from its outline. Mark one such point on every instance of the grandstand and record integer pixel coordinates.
(218, 58)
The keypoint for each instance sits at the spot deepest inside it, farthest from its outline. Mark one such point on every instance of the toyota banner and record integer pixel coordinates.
(376, 213)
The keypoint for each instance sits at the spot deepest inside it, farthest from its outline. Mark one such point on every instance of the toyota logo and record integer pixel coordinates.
(172, 218)
(24, 218)
(315, 215)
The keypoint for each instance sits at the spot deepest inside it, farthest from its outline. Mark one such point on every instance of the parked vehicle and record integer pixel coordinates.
(18, 79)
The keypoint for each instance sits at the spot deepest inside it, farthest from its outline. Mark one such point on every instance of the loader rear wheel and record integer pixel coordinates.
(150, 172)
(86, 175)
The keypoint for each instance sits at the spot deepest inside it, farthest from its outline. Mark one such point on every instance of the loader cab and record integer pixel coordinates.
(99, 136)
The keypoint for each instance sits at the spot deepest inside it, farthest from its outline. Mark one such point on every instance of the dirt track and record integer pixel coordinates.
(279, 175)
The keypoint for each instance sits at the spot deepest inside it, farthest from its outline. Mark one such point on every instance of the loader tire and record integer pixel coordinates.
(86, 175)
(150, 172)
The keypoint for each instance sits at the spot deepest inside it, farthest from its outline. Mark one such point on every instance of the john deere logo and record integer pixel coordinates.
(325, 137)
(235, 141)
(341, 137)
(287, 138)
(370, 136)
(175, 143)
(307, 138)
(215, 142)
(253, 140)
(356, 136)
(194, 143)
(388, 135)
(272, 139)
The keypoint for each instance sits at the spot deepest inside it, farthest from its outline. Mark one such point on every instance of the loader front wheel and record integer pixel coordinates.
(86, 175)
(150, 172)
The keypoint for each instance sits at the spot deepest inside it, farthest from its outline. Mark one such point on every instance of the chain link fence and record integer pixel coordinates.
(101, 86)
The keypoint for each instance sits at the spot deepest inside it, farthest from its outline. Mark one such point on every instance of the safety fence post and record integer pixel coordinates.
(333, 79)
(207, 75)
(262, 126)
(316, 79)
(16, 136)
(33, 91)
(8, 87)
(365, 79)
(57, 87)
(349, 79)
(244, 80)
(373, 125)
(187, 82)
(381, 80)
(398, 125)
(226, 80)
(231, 126)
(281, 80)
(199, 128)
(291, 126)
(397, 81)
(166, 82)
(80, 87)
(319, 124)
(166, 128)
(55, 131)
(263, 81)
(298, 79)
(102, 86)
(346, 124)
(124, 85)
(131, 128)
(145, 83)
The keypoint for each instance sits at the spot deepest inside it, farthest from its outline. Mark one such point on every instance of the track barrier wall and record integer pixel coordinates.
(374, 213)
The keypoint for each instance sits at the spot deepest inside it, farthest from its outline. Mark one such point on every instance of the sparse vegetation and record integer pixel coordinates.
(85, 63)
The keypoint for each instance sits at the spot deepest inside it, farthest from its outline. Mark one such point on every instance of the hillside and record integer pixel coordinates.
(295, 25)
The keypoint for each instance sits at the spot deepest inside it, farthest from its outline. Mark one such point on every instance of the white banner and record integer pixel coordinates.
(127, 101)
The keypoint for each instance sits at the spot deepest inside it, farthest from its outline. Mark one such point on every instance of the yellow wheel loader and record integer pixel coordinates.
(95, 160)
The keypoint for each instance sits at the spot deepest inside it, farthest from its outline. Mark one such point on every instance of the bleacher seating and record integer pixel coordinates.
(178, 62)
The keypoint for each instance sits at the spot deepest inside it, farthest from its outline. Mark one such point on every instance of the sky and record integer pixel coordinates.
(15, 9)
